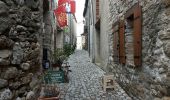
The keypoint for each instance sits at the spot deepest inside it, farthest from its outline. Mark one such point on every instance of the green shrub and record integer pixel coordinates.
(59, 55)
(68, 49)
(62, 54)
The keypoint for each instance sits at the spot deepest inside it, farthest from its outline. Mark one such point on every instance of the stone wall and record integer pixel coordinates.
(48, 32)
(152, 79)
(20, 49)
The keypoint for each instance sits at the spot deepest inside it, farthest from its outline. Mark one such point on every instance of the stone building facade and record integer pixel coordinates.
(134, 45)
(23, 25)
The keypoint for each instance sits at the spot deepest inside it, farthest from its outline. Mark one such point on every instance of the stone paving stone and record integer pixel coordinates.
(85, 81)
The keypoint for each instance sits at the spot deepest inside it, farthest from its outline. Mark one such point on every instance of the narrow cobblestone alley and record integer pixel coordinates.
(85, 81)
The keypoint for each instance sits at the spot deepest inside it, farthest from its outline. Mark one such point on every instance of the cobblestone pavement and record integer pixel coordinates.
(85, 81)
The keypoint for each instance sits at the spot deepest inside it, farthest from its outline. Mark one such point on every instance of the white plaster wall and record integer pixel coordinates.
(59, 40)
(104, 31)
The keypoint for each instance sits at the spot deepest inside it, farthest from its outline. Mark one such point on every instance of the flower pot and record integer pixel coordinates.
(56, 65)
(51, 98)
(49, 92)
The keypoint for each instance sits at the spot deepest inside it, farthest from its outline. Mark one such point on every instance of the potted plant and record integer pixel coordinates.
(68, 49)
(49, 92)
(59, 57)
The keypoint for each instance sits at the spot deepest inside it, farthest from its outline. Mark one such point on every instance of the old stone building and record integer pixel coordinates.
(26, 27)
(20, 48)
(29, 34)
(131, 40)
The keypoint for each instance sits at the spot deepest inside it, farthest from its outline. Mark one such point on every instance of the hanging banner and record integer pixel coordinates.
(64, 7)
(70, 5)
(73, 6)
(60, 2)
(62, 19)
(60, 9)
(61, 16)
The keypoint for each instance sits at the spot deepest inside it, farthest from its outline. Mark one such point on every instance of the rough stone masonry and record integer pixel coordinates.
(20, 50)
(152, 79)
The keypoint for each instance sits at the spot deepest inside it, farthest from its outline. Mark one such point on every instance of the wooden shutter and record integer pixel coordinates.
(97, 9)
(116, 43)
(137, 36)
(122, 58)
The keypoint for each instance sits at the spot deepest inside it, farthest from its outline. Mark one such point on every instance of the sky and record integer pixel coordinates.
(80, 25)
(79, 16)
(79, 9)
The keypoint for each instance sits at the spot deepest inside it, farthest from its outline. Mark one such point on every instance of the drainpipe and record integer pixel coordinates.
(92, 23)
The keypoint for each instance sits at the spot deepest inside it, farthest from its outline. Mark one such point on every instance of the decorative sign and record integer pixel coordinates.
(54, 77)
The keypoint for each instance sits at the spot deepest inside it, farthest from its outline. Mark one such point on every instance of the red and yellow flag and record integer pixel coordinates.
(62, 10)
(61, 15)
(62, 19)
(73, 6)
(60, 2)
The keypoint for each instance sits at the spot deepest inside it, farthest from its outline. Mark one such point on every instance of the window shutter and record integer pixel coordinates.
(122, 58)
(137, 36)
(116, 43)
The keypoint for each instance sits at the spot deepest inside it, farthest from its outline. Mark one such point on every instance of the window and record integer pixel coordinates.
(129, 40)
(133, 31)
(127, 44)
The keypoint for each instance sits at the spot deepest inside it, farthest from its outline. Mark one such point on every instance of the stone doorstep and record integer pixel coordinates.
(98, 64)
(164, 98)
(5, 53)
(167, 2)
